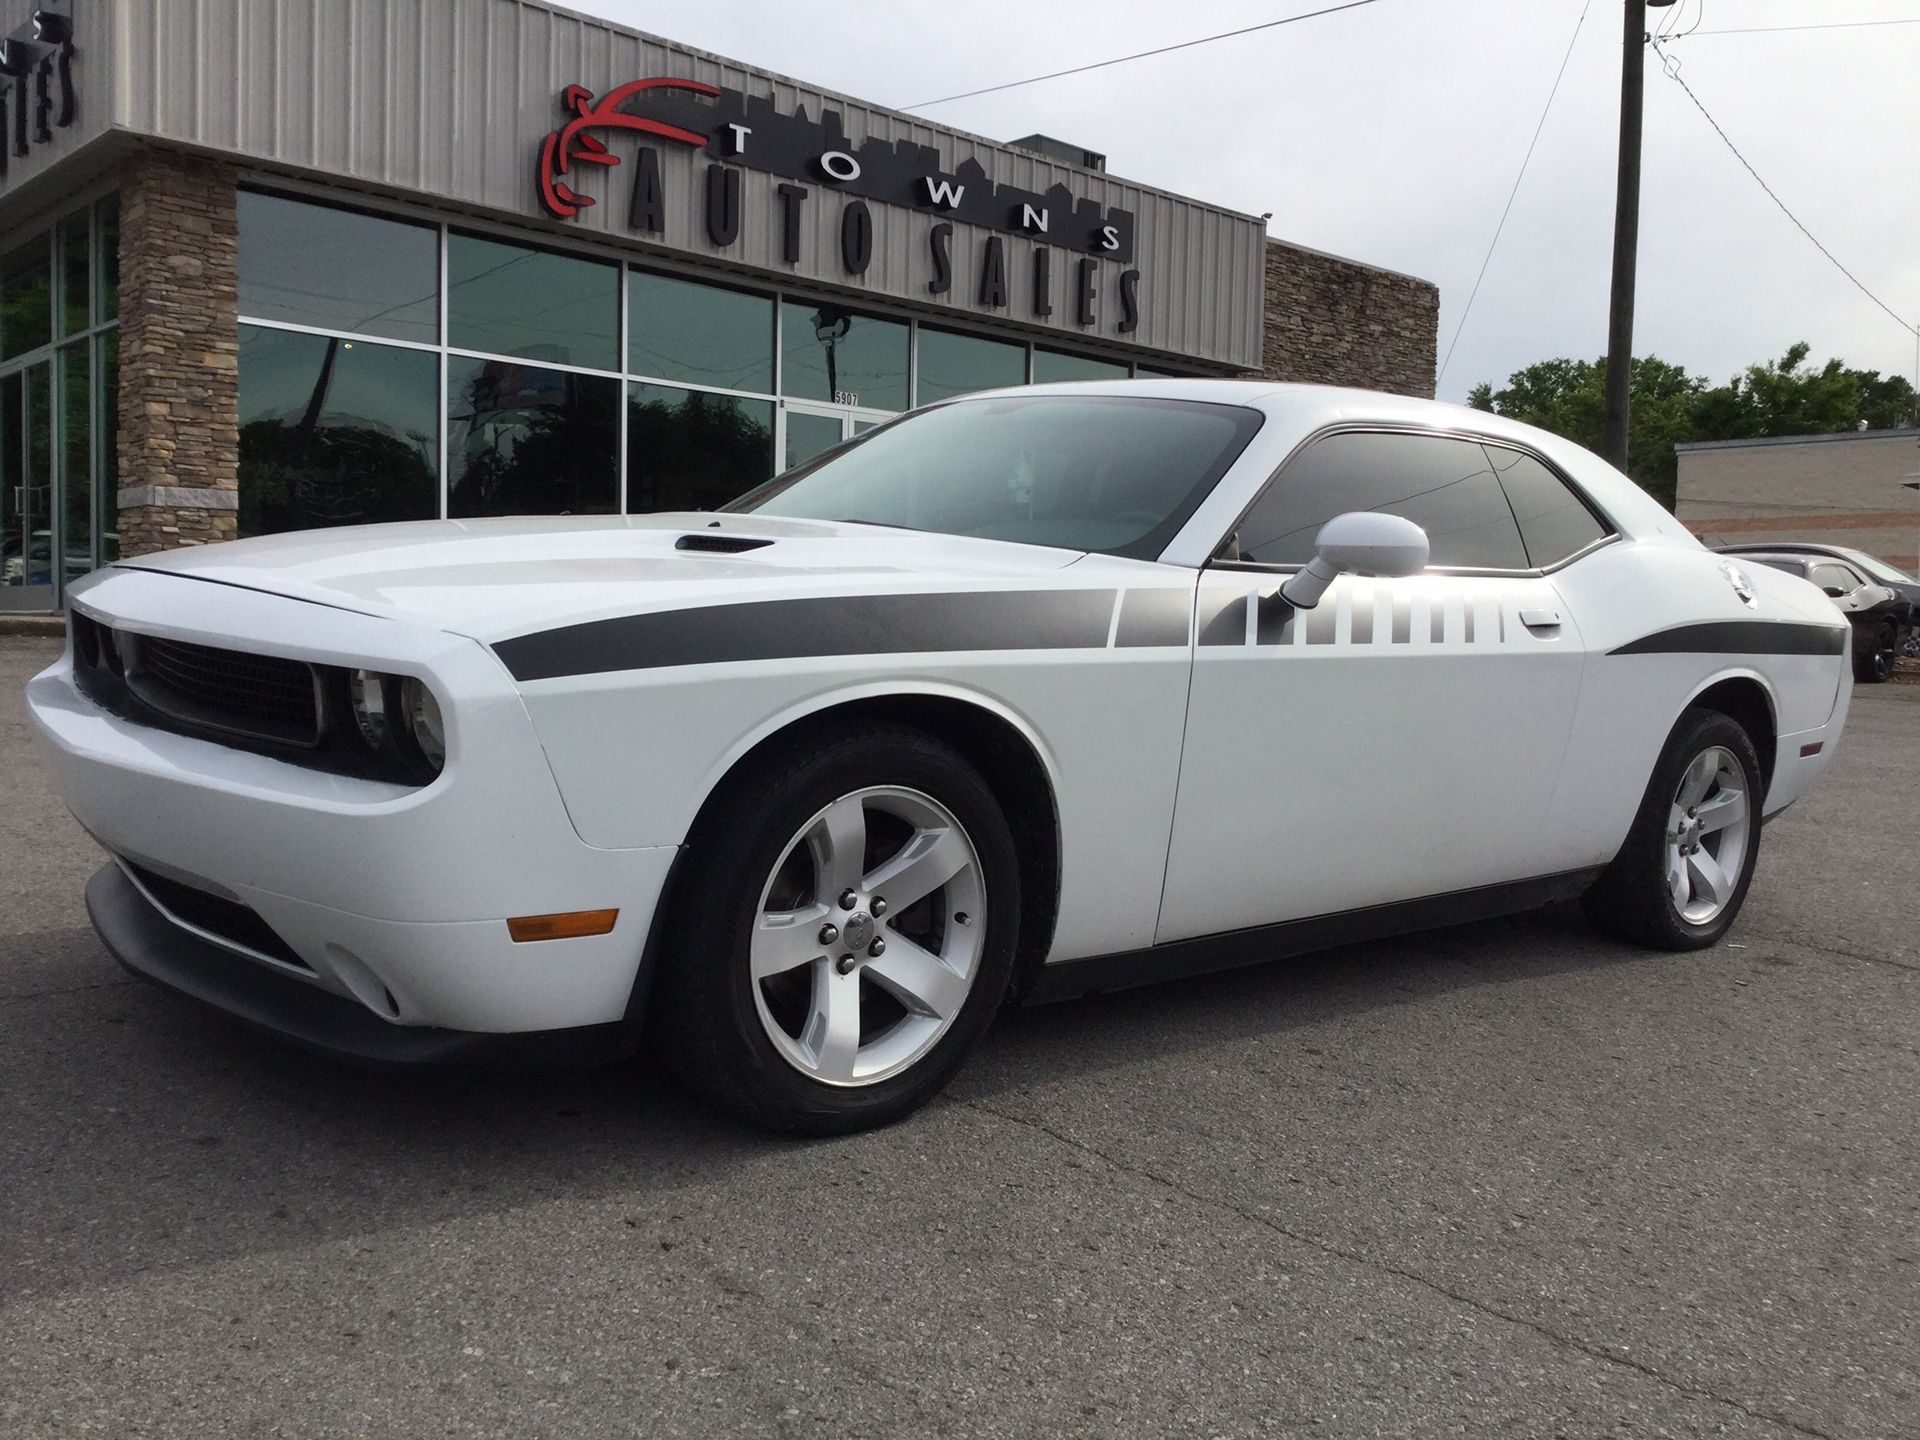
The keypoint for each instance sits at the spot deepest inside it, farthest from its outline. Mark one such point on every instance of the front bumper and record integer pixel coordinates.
(154, 948)
(390, 898)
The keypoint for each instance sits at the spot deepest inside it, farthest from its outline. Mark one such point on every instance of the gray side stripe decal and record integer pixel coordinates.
(1227, 624)
(828, 625)
(1741, 637)
(1154, 617)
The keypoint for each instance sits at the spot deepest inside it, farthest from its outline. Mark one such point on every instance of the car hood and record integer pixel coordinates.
(490, 579)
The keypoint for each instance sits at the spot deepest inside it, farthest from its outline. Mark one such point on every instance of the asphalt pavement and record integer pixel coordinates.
(1506, 1179)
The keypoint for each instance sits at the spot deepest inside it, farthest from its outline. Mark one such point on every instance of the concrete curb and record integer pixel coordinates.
(48, 626)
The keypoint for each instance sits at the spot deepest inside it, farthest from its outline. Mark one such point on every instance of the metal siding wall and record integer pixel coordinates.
(450, 99)
(94, 88)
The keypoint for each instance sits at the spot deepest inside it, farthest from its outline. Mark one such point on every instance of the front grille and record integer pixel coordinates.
(215, 914)
(263, 696)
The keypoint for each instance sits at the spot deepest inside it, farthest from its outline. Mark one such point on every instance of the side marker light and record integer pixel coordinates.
(570, 926)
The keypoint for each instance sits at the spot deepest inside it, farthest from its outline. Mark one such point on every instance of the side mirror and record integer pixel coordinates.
(1834, 591)
(1364, 542)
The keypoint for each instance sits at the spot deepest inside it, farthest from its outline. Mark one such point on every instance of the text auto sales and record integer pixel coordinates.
(748, 132)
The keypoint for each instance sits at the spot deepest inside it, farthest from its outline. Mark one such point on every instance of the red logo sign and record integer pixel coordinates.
(575, 143)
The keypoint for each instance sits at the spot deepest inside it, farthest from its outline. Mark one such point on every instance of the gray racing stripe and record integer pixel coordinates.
(826, 625)
(1153, 617)
(1741, 637)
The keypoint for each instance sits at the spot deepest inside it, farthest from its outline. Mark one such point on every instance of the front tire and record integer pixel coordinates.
(1682, 875)
(850, 928)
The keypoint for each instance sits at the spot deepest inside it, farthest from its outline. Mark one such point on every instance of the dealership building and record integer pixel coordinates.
(272, 264)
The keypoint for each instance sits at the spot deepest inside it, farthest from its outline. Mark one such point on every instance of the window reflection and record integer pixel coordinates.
(338, 269)
(334, 432)
(76, 464)
(512, 300)
(26, 298)
(689, 450)
(830, 353)
(953, 364)
(1056, 365)
(683, 330)
(526, 440)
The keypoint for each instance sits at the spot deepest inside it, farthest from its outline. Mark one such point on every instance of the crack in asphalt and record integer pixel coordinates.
(1554, 1337)
(1787, 938)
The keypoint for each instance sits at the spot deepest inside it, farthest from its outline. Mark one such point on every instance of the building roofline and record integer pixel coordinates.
(781, 77)
(1273, 241)
(1899, 432)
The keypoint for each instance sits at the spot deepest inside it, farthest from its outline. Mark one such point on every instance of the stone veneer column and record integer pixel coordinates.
(179, 354)
(1338, 322)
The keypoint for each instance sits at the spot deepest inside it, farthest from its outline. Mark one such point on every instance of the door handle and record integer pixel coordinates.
(1540, 619)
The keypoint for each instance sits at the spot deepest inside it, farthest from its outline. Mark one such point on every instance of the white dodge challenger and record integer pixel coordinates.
(1028, 694)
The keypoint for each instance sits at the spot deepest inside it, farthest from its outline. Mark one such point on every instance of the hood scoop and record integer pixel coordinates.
(721, 544)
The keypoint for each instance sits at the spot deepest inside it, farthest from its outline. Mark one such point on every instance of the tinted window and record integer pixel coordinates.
(953, 365)
(690, 450)
(682, 330)
(827, 352)
(337, 269)
(1776, 562)
(1837, 577)
(1445, 486)
(109, 257)
(1084, 473)
(510, 300)
(76, 283)
(1554, 522)
(335, 432)
(26, 298)
(1058, 365)
(525, 440)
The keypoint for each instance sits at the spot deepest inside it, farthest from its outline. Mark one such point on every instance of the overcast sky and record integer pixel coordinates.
(1392, 133)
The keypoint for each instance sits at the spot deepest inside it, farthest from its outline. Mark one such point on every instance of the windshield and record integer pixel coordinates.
(1877, 567)
(1112, 473)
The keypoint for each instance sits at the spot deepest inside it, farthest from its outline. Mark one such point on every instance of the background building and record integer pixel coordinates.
(1844, 489)
(267, 264)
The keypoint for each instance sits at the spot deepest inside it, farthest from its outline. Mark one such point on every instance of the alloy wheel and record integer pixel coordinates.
(1708, 828)
(868, 936)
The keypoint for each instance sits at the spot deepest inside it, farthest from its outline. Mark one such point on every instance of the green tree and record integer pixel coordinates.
(1568, 397)
(1789, 397)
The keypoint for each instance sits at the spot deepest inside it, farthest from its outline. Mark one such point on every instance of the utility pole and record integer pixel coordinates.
(1626, 229)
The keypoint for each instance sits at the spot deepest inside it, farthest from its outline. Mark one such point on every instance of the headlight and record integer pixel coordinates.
(367, 690)
(423, 720)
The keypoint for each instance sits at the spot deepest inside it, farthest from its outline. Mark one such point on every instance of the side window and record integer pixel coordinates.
(1836, 577)
(1441, 484)
(1554, 521)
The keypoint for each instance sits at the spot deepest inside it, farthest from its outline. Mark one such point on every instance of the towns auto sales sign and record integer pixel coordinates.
(818, 165)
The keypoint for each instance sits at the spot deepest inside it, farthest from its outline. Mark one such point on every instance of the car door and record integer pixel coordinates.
(1400, 739)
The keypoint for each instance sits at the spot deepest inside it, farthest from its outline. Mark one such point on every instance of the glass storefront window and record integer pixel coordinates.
(683, 330)
(690, 450)
(337, 269)
(109, 231)
(829, 353)
(1055, 365)
(335, 431)
(953, 365)
(75, 462)
(76, 275)
(511, 300)
(107, 428)
(26, 298)
(526, 440)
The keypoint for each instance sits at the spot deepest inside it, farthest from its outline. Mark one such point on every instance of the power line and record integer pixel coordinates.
(1778, 29)
(1673, 73)
(1141, 55)
(1512, 194)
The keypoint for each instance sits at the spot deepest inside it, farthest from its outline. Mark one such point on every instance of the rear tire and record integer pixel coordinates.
(1682, 875)
(1876, 665)
(799, 1011)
